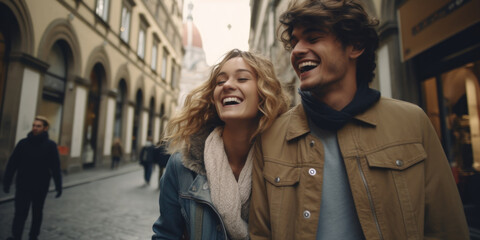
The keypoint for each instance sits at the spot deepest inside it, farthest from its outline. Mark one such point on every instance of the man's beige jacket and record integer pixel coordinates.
(401, 181)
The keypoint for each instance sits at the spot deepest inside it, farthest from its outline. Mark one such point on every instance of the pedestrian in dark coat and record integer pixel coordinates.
(35, 160)
(117, 152)
(146, 160)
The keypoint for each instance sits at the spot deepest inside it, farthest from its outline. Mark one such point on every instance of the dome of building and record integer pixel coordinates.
(191, 35)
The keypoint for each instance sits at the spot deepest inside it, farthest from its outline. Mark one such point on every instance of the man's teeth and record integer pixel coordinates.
(308, 65)
(231, 100)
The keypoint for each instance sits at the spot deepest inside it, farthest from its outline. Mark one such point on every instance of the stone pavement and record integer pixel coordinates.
(78, 178)
(96, 204)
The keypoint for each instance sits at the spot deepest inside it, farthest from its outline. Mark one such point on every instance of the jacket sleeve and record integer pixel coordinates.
(259, 217)
(170, 224)
(12, 165)
(55, 166)
(444, 213)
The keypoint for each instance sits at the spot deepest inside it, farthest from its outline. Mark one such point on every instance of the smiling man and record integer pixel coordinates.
(347, 163)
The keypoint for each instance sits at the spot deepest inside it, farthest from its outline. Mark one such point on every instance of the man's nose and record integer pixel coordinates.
(299, 49)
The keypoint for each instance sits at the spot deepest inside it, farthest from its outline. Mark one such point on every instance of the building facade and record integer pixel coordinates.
(98, 69)
(429, 55)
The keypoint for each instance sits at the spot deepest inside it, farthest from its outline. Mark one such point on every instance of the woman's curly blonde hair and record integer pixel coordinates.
(199, 109)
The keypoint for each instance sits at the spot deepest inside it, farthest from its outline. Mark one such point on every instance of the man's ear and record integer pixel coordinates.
(356, 51)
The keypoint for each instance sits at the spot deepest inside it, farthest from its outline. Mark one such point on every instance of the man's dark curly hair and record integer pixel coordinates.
(346, 19)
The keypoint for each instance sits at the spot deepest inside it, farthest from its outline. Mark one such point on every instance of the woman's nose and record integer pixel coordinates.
(229, 84)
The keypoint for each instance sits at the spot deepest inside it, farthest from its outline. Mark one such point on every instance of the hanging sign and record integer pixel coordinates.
(425, 23)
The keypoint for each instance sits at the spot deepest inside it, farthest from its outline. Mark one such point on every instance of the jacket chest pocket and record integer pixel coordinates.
(282, 185)
(398, 174)
(280, 175)
(399, 157)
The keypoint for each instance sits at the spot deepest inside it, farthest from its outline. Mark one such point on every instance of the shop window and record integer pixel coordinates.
(120, 103)
(462, 101)
(102, 9)
(51, 104)
(162, 118)
(151, 117)
(136, 124)
(97, 75)
(452, 102)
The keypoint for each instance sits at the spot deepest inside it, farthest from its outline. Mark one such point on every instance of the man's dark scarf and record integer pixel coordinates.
(327, 118)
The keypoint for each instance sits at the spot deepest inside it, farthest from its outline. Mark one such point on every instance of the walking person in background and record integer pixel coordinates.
(205, 191)
(347, 163)
(34, 160)
(146, 160)
(161, 158)
(117, 153)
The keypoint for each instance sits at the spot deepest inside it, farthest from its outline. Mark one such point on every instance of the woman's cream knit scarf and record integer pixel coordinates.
(231, 198)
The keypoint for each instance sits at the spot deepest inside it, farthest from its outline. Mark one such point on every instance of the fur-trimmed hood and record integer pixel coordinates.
(193, 157)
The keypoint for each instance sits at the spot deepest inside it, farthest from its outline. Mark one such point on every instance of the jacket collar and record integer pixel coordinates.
(199, 188)
(298, 122)
(38, 138)
(193, 156)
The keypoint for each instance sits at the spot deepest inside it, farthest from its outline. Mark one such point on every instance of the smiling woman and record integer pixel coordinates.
(208, 178)
(236, 95)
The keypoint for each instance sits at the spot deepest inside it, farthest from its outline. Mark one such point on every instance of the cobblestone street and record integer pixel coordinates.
(111, 207)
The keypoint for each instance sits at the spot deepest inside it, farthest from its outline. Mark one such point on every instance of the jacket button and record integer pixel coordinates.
(399, 163)
(194, 188)
(312, 171)
(205, 186)
(306, 214)
(277, 179)
(312, 143)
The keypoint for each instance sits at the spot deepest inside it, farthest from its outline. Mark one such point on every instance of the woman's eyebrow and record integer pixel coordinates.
(243, 70)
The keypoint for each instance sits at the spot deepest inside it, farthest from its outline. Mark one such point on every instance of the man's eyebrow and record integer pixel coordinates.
(314, 30)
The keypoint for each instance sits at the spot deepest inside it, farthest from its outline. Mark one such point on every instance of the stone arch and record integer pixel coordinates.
(22, 33)
(62, 30)
(123, 73)
(140, 85)
(99, 56)
(153, 94)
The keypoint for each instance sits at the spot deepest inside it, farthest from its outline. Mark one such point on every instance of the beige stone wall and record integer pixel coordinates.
(89, 41)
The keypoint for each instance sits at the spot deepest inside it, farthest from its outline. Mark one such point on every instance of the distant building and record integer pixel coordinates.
(98, 69)
(195, 69)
